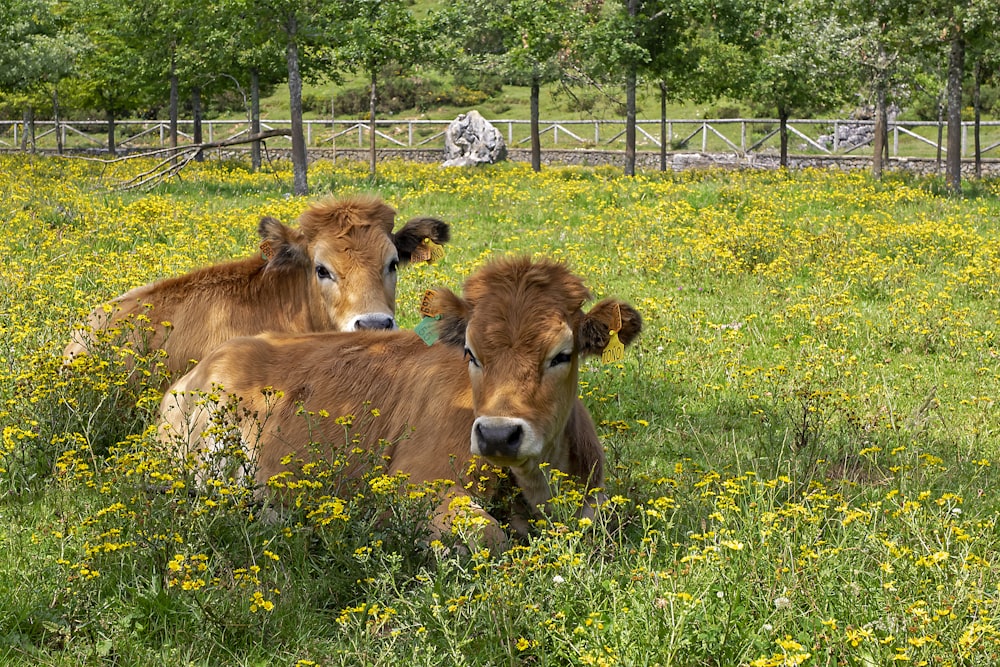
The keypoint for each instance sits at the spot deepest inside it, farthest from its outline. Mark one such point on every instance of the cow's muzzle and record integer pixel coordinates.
(498, 437)
(374, 321)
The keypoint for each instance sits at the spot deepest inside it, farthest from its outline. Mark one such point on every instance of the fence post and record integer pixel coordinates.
(743, 137)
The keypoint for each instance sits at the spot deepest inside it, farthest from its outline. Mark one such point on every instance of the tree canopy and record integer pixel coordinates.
(112, 60)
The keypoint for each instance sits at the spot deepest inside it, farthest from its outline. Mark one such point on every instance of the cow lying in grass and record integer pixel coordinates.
(500, 384)
(336, 272)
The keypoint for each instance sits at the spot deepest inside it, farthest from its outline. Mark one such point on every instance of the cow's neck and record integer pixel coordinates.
(534, 480)
(534, 485)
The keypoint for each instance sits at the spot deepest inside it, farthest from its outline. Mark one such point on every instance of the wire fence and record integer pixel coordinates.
(738, 135)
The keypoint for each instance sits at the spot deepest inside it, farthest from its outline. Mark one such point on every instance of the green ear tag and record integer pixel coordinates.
(427, 329)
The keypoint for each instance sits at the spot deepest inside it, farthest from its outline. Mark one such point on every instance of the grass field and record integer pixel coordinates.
(802, 445)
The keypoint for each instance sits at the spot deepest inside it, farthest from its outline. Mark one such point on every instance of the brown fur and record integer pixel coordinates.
(278, 290)
(523, 322)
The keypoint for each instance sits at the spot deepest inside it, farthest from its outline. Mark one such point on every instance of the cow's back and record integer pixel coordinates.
(190, 315)
(393, 386)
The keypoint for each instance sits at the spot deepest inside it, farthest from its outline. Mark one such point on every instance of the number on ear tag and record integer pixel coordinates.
(420, 254)
(614, 350)
(425, 303)
(427, 329)
(436, 251)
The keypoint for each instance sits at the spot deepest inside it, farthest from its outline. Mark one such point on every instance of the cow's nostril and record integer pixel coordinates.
(374, 322)
(499, 440)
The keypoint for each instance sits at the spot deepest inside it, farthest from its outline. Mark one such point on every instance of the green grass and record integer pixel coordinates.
(802, 445)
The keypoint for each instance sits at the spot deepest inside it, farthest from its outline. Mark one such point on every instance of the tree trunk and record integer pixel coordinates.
(111, 133)
(630, 81)
(663, 126)
(630, 78)
(783, 134)
(196, 118)
(536, 141)
(956, 65)
(28, 137)
(940, 133)
(55, 118)
(371, 128)
(977, 73)
(255, 119)
(174, 99)
(299, 165)
(880, 139)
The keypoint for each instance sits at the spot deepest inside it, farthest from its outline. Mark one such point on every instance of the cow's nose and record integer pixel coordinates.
(375, 321)
(500, 440)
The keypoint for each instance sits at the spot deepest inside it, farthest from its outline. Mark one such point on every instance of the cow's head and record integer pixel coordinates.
(523, 331)
(350, 255)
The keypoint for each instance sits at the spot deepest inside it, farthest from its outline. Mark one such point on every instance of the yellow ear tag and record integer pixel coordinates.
(421, 254)
(427, 328)
(436, 251)
(615, 349)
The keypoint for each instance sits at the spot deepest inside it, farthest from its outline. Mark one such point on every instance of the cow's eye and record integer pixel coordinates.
(323, 273)
(471, 357)
(393, 265)
(561, 358)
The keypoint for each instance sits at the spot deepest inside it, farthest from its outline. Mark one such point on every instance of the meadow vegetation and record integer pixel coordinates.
(802, 446)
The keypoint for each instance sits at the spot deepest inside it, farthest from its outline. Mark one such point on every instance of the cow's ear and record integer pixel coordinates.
(281, 246)
(597, 324)
(454, 314)
(413, 233)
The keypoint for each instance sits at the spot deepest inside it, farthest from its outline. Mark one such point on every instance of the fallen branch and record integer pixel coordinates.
(182, 155)
(177, 157)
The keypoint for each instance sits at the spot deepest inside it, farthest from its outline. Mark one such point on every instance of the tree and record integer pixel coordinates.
(38, 49)
(984, 53)
(524, 41)
(610, 49)
(797, 65)
(960, 26)
(671, 38)
(109, 76)
(380, 33)
(309, 30)
(257, 60)
(879, 43)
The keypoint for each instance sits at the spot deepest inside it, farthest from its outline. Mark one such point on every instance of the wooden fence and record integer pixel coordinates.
(738, 135)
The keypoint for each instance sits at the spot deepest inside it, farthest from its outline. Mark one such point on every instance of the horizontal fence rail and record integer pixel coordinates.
(737, 135)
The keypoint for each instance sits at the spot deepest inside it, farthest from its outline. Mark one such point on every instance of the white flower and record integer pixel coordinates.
(557, 579)
(782, 603)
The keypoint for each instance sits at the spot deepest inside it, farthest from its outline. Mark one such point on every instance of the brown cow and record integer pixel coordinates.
(336, 272)
(504, 373)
